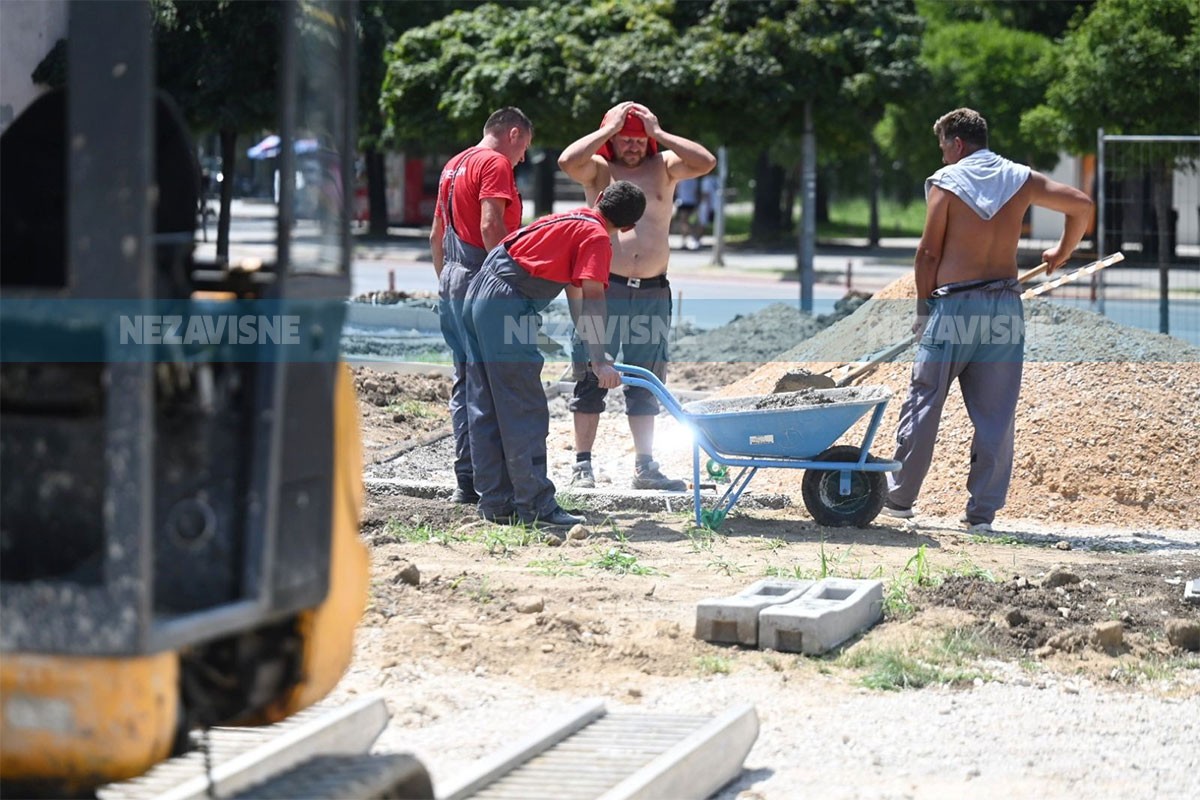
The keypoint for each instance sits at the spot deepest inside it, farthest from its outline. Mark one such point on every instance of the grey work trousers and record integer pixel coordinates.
(506, 404)
(976, 337)
(462, 262)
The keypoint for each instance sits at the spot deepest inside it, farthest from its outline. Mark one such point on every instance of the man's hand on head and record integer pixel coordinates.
(648, 118)
(614, 120)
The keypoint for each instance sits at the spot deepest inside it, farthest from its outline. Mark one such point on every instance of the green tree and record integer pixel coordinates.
(1048, 17)
(380, 23)
(219, 60)
(1000, 72)
(1130, 67)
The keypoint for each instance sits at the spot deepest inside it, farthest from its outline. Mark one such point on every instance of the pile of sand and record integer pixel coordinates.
(1107, 427)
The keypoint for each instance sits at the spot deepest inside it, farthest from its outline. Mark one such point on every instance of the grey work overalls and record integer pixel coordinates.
(506, 404)
(461, 261)
(975, 334)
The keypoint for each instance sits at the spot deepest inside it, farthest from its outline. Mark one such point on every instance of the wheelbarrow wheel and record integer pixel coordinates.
(825, 502)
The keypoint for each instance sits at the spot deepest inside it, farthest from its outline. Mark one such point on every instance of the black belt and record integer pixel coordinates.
(639, 283)
(966, 286)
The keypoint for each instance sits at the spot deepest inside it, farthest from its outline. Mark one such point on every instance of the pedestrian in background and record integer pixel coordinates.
(477, 206)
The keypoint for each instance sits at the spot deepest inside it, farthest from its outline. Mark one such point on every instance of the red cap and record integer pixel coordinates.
(633, 127)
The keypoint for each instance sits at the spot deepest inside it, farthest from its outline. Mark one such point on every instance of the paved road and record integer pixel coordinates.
(709, 296)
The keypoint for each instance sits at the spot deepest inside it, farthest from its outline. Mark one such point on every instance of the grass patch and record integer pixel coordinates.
(701, 539)
(718, 564)
(849, 217)
(557, 567)
(945, 661)
(616, 560)
(713, 665)
(1001, 538)
(1152, 669)
(417, 409)
(503, 539)
(407, 532)
(828, 566)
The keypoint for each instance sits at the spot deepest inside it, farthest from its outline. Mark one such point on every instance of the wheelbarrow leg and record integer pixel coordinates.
(736, 487)
(696, 484)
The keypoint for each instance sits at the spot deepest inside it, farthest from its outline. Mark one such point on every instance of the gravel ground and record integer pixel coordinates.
(820, 737)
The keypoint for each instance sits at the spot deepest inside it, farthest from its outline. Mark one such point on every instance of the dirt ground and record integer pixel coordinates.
(1045, 603)
(621, 602)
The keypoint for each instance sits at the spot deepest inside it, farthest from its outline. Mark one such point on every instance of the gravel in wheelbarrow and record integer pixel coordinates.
(788, 425)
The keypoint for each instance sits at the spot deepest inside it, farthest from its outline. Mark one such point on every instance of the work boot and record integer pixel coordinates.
(502, 518)
(648, 476)
(465, 494)
(582, 476)
(560, 518)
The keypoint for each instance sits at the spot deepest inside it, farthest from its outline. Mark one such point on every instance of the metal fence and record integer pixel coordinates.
(1148, 207)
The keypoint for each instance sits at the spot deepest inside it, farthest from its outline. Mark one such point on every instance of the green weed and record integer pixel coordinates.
(415, 408)
(942, 662)
(557, 567)
(617, 560)
(408, 532)
(770, 543)
(729, 568)
(713, 665)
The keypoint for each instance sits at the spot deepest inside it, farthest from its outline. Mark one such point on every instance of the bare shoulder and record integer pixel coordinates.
(1058, 196)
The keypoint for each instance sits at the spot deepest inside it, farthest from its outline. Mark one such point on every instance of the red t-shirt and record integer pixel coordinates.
(482, 174)
(570, 251)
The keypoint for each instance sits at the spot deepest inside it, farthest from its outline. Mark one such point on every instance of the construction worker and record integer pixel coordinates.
(508, 416)
(969, 315)
(477, 206)
(627, 147)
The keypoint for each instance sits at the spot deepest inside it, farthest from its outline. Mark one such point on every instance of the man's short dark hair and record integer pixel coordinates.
(965, 123)
(622, 204)
(504, 119)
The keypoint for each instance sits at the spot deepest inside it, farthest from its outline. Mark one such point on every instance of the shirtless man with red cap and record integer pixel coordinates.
(631, 145)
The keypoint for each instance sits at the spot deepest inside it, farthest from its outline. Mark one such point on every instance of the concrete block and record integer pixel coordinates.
(823, 617)
(734, 619)
(1191, 592)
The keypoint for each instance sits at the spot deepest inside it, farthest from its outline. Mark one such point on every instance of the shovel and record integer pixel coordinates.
(846, 373)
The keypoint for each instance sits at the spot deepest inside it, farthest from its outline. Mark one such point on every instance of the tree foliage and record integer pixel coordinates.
(1130, 67)
(999, 72)
(219, 60)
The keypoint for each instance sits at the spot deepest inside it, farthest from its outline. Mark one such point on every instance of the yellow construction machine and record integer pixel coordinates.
(180, 467)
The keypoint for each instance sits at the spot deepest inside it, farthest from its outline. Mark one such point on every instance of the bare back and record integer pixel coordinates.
(977, 249)
(644, 251)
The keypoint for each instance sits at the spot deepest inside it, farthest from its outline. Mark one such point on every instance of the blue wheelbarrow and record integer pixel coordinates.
(843, 485)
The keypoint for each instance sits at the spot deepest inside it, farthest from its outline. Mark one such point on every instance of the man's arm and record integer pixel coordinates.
(435, 245)
(491, 222)
(930, 250)
(590, 316)
(1077, 207)
(578, 159)
(694, 159)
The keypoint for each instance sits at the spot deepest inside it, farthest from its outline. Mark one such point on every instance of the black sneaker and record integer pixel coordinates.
(559, 517)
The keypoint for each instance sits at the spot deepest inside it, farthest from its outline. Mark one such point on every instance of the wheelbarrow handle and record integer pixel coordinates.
(639, 376)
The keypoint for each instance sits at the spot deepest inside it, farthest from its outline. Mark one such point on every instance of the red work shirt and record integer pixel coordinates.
(479, 174)
(569, 251)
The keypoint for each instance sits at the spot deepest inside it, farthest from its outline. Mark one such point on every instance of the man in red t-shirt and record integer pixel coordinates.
(506, 405)
(477, 206)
